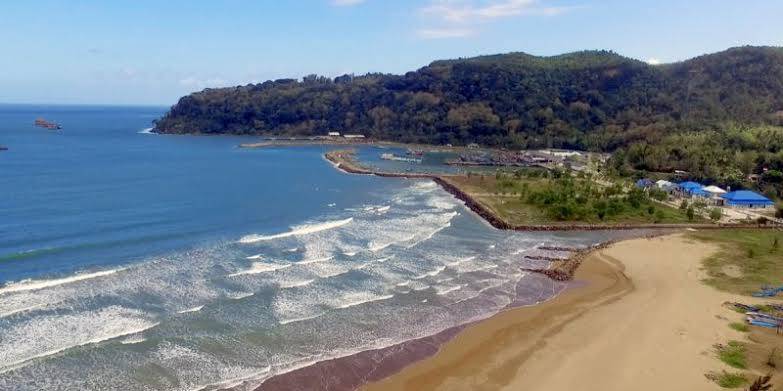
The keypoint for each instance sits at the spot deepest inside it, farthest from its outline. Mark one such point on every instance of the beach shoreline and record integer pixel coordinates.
(590, 281)
(639, 305)
(367, 367)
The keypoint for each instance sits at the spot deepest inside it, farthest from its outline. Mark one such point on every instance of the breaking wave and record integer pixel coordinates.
(297, 231)
(259, 267)
(189, 310)
(22, 343)
(31, 285)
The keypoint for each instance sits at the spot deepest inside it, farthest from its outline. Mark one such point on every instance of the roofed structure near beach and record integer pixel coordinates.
(644, 183)
(665, 185)
(747, 199)
(714, 190)
(693, 188)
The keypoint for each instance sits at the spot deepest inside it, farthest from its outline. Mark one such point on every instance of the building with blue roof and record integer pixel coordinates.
(693, 189)
(645, 183)
(747, 199)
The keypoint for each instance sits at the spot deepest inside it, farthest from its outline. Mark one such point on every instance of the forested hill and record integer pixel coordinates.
(588, 100)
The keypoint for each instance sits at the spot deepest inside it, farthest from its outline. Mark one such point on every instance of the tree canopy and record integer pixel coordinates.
(697, 115)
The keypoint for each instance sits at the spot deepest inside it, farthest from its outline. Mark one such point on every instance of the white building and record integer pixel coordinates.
(714, 190)
(354, 136)
(334, 134)
(561, 153)
(665, 185)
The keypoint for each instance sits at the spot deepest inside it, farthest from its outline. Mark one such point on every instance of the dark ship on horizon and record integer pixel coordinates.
(42, 123)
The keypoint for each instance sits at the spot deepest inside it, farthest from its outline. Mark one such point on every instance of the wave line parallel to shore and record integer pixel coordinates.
(31, 285)
(297, 231)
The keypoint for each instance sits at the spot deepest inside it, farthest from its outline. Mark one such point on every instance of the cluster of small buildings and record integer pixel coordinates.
(712, 194)
(503, 158)
(348, 136)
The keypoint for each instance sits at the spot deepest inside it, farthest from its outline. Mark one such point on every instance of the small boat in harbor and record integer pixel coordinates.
(391, 156)
(42, 123)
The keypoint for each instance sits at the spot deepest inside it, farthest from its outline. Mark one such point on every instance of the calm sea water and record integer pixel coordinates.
(135, 261)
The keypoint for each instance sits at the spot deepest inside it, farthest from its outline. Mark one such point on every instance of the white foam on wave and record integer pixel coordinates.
(260, 267)
(133, 339)
(375, 247)
(296, 284)
(431, 273)
(189, 310)
(146, 131)
(31, 285)
(301, 319)
(34, 339)
(442, 290)
(431, 234)
(424, 186)
(240, 296)
(354, 299)
(476, 267)
(300, 230)
(315, 260)
(257, 256)
(20, 310)
(332, 272)
(350, 253)
(460, 261)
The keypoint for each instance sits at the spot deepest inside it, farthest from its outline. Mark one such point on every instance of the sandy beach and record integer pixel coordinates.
(639, 318)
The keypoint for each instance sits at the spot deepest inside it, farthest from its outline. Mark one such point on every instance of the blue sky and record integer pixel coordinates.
(153, 52)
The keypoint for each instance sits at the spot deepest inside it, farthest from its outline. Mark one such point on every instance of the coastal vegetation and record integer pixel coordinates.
(733, 354)
(595, 100)
(741, 327)
(725, 155)
(535, 196)
(729, 379)
(747, 259)
(718, 117)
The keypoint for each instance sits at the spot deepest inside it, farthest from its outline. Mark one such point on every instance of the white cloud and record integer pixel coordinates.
(346, 3)
(467, 11)
(459, 18)
(441, 33)
(654, 61)
(200, 84)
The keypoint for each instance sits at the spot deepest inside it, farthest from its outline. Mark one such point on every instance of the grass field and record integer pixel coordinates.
(747, 259)
(506, 198)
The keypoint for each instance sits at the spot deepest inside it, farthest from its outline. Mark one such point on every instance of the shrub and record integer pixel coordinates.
(742, 327)
(684, 205)
(733, 354)
(658, 194)
(716, 214)
(690, 213)
(731, 380)
(659, 216)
